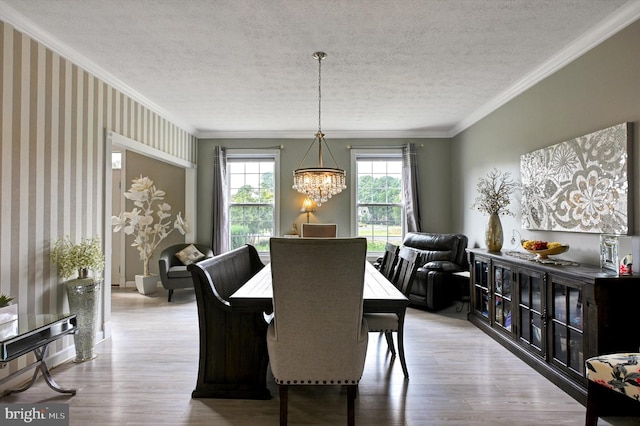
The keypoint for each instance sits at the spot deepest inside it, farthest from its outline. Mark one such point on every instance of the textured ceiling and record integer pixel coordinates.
(245, 67)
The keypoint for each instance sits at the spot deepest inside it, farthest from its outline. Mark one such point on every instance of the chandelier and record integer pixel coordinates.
(319, 183)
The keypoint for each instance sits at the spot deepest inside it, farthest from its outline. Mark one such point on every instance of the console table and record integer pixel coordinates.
(33, 333)
(553, 317)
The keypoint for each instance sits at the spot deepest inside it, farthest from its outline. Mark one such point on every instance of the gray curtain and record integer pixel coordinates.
(411, 188)
(220, 220)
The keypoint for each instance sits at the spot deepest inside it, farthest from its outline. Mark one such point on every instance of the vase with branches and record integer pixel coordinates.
(149, 221)
(494, 198)
(83, 294)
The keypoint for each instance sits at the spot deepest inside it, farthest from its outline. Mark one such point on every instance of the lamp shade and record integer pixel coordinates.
(308, 206)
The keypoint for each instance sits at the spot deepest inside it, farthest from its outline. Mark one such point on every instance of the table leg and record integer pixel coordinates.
(41, 365)
(403, 362)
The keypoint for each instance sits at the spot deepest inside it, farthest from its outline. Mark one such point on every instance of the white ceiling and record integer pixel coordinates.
(394, 68)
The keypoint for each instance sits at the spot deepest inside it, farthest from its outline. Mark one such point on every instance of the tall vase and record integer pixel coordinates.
(493, 235)
(84, 297)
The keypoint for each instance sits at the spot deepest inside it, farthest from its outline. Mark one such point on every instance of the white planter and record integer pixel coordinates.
(146, 284)
(8, 329)
(8, 313)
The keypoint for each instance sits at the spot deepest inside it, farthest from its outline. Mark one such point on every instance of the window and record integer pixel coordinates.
(252, 198)
(379, 210)
(116, 160)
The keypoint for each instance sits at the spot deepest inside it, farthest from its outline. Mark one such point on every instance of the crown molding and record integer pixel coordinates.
(27, 27)
(331, 134)
(608, 27)
(619, 20)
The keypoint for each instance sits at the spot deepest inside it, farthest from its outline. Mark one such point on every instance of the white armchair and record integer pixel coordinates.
(317, 336)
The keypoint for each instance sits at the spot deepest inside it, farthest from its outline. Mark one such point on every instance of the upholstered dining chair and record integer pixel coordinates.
(317, 335)
(612, 386)
(388, 323)
(319, 230)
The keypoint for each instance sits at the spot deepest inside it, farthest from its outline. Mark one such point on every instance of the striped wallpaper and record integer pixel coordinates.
(52, 161)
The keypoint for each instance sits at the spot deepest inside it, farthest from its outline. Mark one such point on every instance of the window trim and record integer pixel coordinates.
(374, 154)
(257, 154)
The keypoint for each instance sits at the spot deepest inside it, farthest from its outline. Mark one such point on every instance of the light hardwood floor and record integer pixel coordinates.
(145, 374)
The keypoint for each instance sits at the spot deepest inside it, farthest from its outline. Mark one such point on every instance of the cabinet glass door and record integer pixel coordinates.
(568, 328)
(531, 326)
(481, 286)
(502, 296)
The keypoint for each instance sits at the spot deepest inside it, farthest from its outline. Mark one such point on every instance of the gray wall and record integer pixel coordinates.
(598, 90)
(433, 157)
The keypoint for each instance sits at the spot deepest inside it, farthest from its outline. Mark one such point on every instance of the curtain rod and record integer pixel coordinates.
(378, 146)
(253, 147)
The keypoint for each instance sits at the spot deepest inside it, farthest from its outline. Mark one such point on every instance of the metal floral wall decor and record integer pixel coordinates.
(581, 185)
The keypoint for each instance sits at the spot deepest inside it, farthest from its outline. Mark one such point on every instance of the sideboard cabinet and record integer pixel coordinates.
(554, 317)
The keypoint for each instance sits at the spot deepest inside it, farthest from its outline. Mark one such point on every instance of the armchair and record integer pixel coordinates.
(174, 273)
(435, 285)
(612, 388)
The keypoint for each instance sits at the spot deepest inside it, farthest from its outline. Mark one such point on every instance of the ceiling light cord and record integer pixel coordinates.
(320, 57)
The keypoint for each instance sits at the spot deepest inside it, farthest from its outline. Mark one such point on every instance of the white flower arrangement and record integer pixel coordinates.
(71, 257)
(494, 193)
(141, 223)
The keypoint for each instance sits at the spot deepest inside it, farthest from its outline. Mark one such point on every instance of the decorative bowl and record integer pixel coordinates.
(543, 254)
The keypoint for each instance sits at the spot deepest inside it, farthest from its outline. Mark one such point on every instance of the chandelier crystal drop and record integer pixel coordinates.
(319, 183)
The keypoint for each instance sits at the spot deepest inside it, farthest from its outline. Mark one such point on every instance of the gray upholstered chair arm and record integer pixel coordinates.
(163, 266)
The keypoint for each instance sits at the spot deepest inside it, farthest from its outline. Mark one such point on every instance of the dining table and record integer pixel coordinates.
(379, 296)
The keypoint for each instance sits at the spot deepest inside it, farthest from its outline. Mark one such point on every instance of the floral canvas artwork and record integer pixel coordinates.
(580, 185)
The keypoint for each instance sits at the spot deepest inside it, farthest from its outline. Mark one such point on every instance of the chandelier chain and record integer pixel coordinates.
(320, 57)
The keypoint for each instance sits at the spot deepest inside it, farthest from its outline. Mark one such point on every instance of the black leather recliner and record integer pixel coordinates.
(434, 286)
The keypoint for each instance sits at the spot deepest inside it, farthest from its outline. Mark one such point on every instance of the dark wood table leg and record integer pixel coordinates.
(401, 342)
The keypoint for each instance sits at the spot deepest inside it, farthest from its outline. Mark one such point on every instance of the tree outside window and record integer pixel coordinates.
(380, 210)
(251, 202)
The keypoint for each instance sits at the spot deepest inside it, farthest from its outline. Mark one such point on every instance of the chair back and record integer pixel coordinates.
(389, 260)
(319, 230)
(408, 264)
(318, 332)
(217, 278)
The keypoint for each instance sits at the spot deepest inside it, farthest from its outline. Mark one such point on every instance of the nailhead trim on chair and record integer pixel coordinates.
(317, 382)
